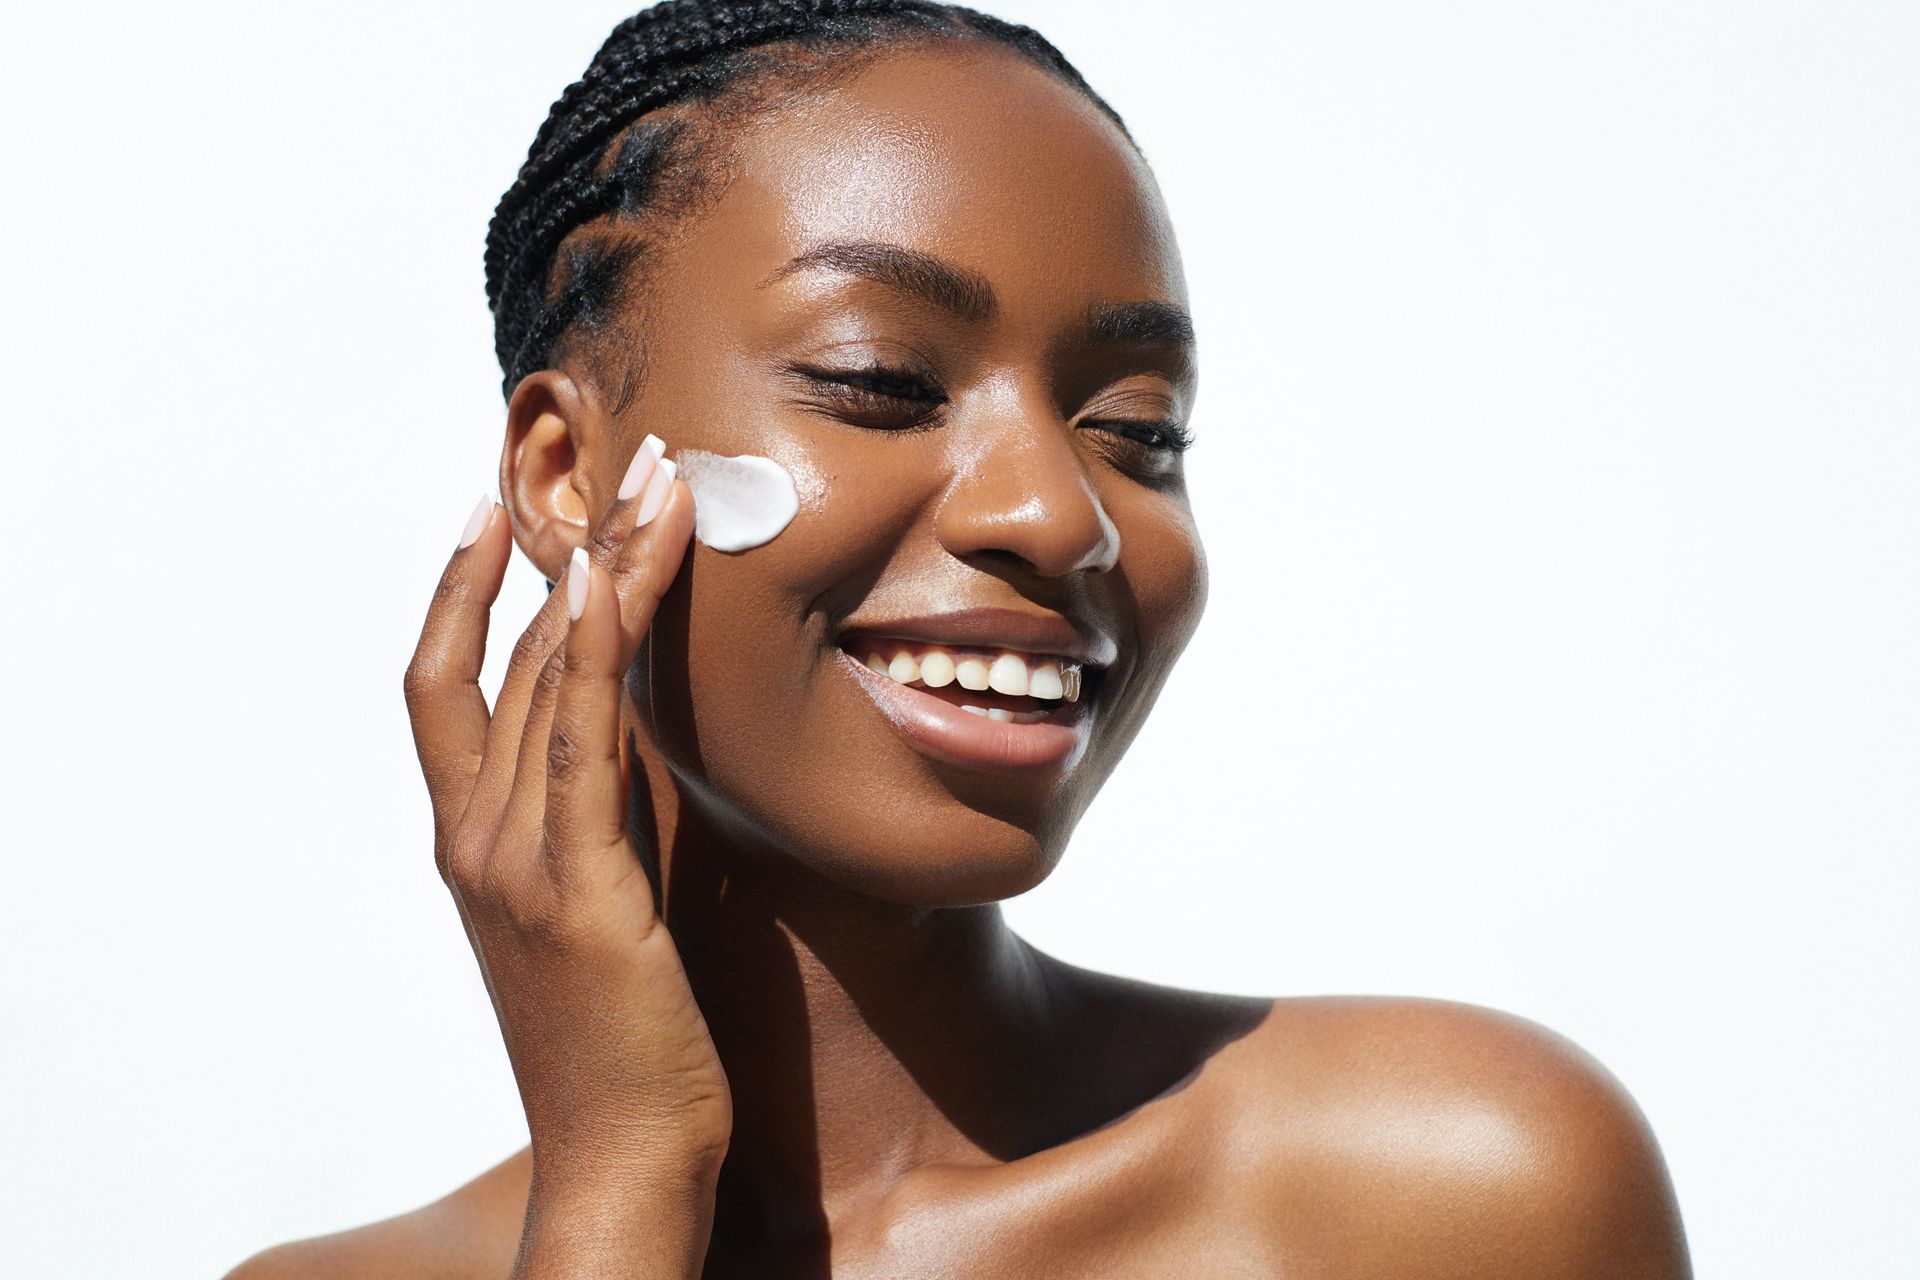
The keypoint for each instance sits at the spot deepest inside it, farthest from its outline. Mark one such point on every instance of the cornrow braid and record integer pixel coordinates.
(676, 52)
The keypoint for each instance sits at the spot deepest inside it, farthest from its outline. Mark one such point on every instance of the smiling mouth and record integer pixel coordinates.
(981, 707)
(1008, 685)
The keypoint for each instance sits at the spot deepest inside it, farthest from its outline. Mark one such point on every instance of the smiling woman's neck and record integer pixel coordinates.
(861, 1039)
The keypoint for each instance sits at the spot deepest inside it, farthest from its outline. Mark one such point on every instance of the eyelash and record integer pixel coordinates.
(867, 385)
(872, 383)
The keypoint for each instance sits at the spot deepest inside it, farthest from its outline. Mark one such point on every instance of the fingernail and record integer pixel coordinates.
(577, 582)
(478, 520)
(650, 451)
(656, 496)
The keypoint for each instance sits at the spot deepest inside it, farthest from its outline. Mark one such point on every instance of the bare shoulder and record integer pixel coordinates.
(1451, 1139)
(470, 1234)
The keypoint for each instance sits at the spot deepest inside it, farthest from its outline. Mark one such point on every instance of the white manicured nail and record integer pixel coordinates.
(641, 468)
(658, 487)
(478, 520)
(577, 582)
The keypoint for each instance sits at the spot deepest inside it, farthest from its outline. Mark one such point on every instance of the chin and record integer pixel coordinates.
(956, 864)
(925, 849)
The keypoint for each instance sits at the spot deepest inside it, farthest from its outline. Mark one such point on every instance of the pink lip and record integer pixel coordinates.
(946, 733)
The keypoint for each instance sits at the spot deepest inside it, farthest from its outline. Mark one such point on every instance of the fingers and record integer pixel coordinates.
(569, 765)
(531, 653)
(585, 813)
(520, 703)
(647, 564)
(586, 803)
(642, 567)
(447, 710)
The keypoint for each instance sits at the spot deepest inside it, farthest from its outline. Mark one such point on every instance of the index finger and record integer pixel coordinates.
(445, 706)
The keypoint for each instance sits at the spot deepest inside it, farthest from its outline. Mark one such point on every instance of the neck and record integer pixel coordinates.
(862, 1039)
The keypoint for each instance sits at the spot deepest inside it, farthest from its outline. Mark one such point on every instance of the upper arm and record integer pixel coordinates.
(1430, 1138)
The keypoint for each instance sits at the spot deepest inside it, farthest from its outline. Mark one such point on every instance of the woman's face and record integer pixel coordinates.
(919, 293)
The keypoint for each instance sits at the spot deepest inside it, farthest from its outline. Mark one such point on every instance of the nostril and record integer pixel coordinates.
(1041, 516)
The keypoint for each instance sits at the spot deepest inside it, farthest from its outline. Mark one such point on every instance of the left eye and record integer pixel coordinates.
(1168, 435)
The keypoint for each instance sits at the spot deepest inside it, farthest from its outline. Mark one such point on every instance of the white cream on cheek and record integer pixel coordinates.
(738, 502)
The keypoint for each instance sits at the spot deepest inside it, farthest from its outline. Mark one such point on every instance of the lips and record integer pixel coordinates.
(964, 699)
(946, 731)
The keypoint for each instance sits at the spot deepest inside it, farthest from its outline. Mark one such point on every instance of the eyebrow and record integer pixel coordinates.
(968, 295)
(965, 293)
(1120, 323)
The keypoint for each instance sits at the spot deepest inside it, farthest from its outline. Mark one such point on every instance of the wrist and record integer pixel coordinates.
(609, 1223)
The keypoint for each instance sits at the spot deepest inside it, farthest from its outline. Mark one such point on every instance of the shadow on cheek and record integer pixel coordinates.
(661, 677)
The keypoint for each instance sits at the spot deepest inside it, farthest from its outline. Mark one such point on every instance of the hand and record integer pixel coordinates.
(619, 1077)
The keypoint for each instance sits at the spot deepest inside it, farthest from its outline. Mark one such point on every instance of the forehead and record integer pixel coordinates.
(968, 153)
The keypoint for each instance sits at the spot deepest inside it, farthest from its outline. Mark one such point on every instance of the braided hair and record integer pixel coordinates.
(626, 141)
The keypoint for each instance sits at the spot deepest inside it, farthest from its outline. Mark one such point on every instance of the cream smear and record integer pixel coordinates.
(737, 502)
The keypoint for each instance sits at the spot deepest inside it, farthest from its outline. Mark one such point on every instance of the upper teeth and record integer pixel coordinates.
(1006, 672)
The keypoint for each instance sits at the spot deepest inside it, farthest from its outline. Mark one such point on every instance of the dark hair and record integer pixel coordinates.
(595, 157)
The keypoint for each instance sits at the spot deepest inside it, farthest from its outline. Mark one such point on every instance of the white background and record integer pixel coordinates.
(1558, 470)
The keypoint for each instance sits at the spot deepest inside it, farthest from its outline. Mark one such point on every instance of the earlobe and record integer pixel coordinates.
(544, 483)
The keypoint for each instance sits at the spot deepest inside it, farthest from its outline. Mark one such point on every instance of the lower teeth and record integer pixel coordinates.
(1005, 716)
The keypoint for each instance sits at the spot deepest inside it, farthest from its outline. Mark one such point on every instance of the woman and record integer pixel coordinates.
(729, 846)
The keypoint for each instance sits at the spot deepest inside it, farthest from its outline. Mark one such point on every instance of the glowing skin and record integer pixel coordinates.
(738, 502)
(822, 826)
(915, 1091)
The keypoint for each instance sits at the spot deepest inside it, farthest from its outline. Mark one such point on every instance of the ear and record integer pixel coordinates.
(550, 483)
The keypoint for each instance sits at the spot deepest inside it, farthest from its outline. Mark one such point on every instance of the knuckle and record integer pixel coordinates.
(494, 885)
(462, 863)
(606, 540)
(565, 754)
(526, 649)
(551, 671)
(419, 680)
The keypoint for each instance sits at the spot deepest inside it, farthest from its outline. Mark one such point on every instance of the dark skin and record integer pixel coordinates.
(836, 1059)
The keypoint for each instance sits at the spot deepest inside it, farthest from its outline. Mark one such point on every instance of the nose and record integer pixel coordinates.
(1020, 488)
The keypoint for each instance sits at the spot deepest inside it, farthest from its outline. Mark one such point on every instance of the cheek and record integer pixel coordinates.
(1166, 567)
(855, 513)
(732, 672)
